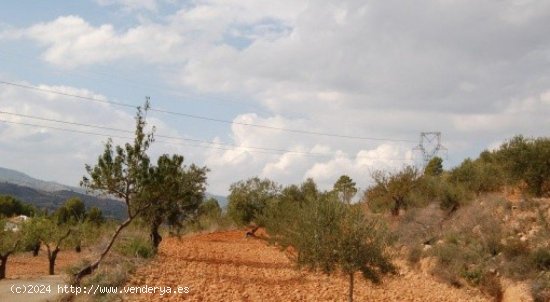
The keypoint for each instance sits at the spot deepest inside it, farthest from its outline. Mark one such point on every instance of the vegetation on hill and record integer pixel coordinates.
(474, 238)
(10, 206)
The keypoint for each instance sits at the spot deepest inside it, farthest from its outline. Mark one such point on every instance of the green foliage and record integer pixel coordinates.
(10, 206)
(210, 208)
(48, 232)
(527, 160)
(434, 167)
(9, 239)
(248, 199)
(345, 188)
(95, 216)
(392, 190)
(72, 211)
(478, 176)
(175, 192)
(166, 193)
(330, 236)
(136, 246)
(451, 197)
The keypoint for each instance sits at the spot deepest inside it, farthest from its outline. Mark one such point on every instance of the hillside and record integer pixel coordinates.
(50, 195)
(22, 179)
(53, 200)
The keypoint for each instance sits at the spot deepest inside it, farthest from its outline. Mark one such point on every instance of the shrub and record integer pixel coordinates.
(451, 197)
(490, 284)
(515, 248)
(540, 288)
(415, 254)
(248, 199)
(136, 247)
(541, 259)
(526, 160)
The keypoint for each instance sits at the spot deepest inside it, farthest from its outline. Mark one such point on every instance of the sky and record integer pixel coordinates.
(286, 89)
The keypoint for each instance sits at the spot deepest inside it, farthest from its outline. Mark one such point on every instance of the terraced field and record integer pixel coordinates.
(225, 266)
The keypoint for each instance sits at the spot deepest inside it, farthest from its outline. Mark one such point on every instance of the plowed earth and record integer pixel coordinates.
(226, 266)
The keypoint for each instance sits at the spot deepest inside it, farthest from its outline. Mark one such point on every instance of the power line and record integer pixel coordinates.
(140, 84)
(211, 145)
(205, 118)
(115, 136)
(161, 136)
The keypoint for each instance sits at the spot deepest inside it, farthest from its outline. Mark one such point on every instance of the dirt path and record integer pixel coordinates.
(41, 284)
(225, 266)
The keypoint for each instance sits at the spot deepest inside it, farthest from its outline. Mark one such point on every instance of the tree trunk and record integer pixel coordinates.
(52, 258)
(350, 294)
(3, 263)
(156, 238)
(252, 233)
(36, 249)
(87, 270)
(398, 203)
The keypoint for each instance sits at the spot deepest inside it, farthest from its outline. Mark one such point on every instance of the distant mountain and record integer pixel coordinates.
(53, 200)
(50, 195)
(22, 179)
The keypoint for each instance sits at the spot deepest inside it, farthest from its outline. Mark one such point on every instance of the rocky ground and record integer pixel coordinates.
(226, 266)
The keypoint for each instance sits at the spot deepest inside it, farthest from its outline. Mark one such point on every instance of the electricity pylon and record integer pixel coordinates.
(430, 146)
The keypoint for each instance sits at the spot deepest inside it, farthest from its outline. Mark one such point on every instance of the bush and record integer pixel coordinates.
(136, 247)
(515, 248)
(526, 160)
(541, 259)
(414, 255)
(451, 198)
(248, 199)
(540, 288)
(490, 284)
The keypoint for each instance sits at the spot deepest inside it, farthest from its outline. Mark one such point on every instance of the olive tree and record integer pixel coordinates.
(175, 193)
(52, 235)
(330, 236)
(248, 199)
(392, 190)
(10, 242)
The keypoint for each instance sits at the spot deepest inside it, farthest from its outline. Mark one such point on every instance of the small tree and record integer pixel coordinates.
(122, 172)
(10, 241)
(392, 190)
(345, 187)
(210, 208)
(330, 236)
(175, 192)
(52, 235)
(434, 167)
(72, 212)
(95, 216)
(248, 199)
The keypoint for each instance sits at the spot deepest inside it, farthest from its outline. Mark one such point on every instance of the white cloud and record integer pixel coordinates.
(131, 5)
(475, 71)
